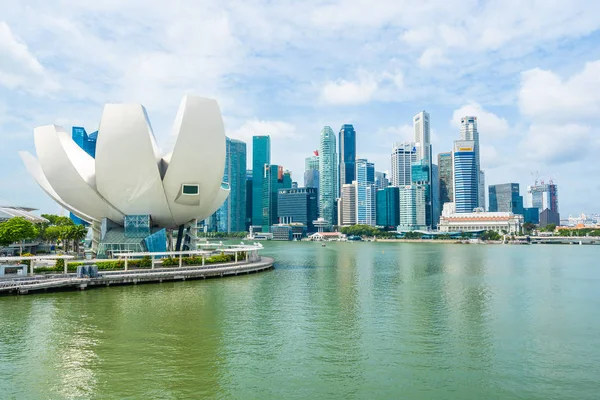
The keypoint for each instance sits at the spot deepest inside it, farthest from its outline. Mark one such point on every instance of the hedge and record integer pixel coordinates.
(143, 263)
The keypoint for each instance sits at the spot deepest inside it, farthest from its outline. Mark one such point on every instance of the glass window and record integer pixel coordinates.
(190, 189)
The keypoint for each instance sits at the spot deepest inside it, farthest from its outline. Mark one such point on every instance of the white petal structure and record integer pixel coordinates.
(128, 175)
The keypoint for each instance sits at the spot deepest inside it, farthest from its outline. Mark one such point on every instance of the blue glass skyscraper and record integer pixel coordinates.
(347, 143)
(261, 157)
(365, 193)
(466, 174)
(88, 144)
(231, 216)
(388, 207)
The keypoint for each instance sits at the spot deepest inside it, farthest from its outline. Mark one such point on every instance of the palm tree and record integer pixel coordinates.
(77, 233)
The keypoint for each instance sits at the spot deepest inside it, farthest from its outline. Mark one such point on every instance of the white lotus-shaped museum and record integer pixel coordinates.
(128, 175)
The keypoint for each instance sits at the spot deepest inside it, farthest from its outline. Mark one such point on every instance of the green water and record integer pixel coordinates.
(346, 321)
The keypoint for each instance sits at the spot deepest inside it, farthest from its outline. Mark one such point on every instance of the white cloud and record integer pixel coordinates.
(278, 130)
(488, 123)
(19, 68)
(557, 144)
(400, 133)
(431, 57)
(366, 87)
(345, 92)
(544, 95)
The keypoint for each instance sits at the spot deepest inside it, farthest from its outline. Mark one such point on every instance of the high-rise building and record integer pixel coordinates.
(86, 142)
(311, 178)
(328, 175)
(421, 176)
(312, 162)
(543, 196)
(422, 136)
(231, 216)
(261, 156)
(287, 179)
(388, 207)
(403, 156)
(248, 199)
(435, 194)
(298, 206)
(272, 183)
(468, 131)
(348, 204)
(446, 178)
(365, 192)
(481, 189)
(506, 198)
(466, 190)
(412, 208)
(381, 180)
(347, 143)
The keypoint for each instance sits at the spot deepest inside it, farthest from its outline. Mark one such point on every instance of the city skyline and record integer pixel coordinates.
(529, 87)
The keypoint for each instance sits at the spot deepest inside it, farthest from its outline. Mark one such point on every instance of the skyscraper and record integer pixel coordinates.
(328, 175)
(311, 178)
(422, 136)
(261, 156)
(543, 196)
(403, 156)
(468, 131)
(412, 208)
(272, 183)
(365, 193)
(88, 144)
(248, 199)
(421, 176)
(388, 207)
(231, 216)
(446, 178)
(466, 196)
(347, 143)
(312, 162)
(348, 203)
(381, 180)
(506, 198)
(298, 206)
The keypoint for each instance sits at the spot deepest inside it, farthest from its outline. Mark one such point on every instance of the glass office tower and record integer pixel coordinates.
(347, 143)
(466, 174)
(261, 157)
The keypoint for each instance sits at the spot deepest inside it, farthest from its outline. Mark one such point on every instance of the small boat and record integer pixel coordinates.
(323, 245)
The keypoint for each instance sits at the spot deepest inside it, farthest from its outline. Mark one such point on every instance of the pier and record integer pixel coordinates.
(36, 283)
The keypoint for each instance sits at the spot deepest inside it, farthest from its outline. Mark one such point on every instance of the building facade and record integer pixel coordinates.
(248, 199)
(231, 216)
(481, 221)
(388, 207)
(273, 181)
(505, 198)
(347, 211)
(543, 196)
(446, 178)
(347, 143)
(404, 154)
(422, 135)
(468, 131)
(466, 189)
(366, 193)
(381, 180)
(328, 175)
(261, 157)
(412, 208)
(299, 205)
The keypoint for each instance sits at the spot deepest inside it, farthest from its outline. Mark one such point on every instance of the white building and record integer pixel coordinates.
(412, 208)
(468, 131)
(422, 136)
(481, 221)
(403, 155)
(348, 202)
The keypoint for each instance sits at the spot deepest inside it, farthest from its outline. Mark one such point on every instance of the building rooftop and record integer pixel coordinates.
(10, 212)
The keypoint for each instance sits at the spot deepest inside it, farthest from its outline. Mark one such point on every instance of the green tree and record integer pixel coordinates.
(550, 228)
(490, 235)
(77, 233)
(17, 229)
(528, 227)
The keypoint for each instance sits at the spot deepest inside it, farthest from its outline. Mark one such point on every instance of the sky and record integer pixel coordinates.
(528, 69)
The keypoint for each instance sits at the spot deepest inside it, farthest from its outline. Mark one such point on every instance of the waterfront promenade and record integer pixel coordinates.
(44, 283)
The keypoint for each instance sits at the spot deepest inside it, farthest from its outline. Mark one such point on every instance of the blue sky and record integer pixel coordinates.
(529, 69)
